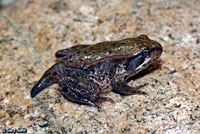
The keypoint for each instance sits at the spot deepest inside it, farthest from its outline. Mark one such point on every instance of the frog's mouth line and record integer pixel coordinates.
(140, 62)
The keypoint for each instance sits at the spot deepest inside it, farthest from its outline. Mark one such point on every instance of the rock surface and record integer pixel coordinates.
(32, 31)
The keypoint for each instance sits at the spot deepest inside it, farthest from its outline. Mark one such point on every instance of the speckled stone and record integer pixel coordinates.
(32, 31)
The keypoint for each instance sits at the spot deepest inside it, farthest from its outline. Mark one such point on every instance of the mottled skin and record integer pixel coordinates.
(83, 72)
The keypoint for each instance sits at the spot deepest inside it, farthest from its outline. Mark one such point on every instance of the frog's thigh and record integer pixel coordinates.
(122, 88)
(74, 98)
(64, 52)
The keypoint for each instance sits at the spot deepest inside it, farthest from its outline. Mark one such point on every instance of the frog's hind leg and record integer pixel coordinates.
(122, 88)
(69, 51)
(51, 76)
(73, 97)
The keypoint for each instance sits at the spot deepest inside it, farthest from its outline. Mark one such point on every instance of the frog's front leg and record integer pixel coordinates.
(122, 88)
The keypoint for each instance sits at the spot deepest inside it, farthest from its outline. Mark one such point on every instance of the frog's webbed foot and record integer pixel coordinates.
(73, 97)
(122, 88)
(69, 51)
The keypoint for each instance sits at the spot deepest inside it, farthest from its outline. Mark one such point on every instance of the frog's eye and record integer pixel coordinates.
(110, 51)
(145, 53)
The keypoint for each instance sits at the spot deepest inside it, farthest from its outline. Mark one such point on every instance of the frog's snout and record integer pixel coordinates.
(159, 50)
(156, 51)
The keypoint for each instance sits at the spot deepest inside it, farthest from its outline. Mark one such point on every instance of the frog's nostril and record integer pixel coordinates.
(160, 48)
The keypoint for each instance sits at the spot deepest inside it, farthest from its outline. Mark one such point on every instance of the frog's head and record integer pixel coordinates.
(150, 51)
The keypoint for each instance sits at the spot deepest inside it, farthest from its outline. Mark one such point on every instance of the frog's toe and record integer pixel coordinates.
(122, 88)
(137, 91)
(103, 99)
(141, 92)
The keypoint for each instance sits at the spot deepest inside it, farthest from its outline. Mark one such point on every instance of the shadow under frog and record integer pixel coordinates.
(84, 72)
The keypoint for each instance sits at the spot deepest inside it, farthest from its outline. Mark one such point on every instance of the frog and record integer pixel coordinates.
(85, 72)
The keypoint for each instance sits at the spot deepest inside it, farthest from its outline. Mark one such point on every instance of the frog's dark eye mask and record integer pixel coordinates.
(142, 60)
(137, 60)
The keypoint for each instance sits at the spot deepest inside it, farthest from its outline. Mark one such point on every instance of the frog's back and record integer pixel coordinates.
(107, 51)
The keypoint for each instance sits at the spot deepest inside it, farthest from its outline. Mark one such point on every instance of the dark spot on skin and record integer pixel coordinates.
(55, 73)
(92, 49)
(138, 43)
(81, 59)
(70, 58)
(105, 49)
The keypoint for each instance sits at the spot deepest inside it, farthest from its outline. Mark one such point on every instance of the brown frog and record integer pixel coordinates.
(84, 72)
